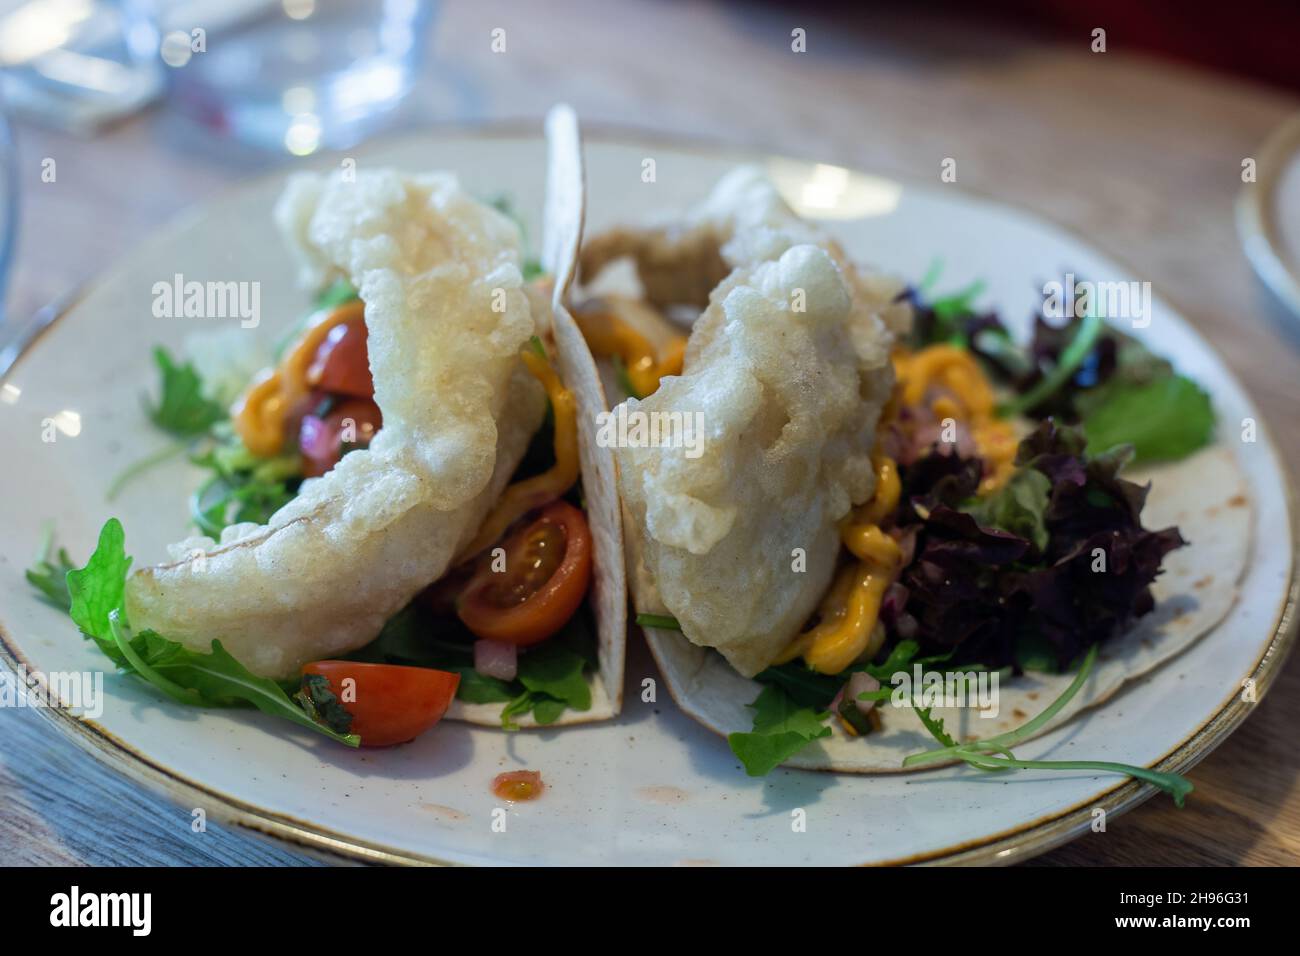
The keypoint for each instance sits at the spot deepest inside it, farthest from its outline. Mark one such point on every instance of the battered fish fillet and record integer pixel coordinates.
(744, 221)
(789, 367)
(447, 315)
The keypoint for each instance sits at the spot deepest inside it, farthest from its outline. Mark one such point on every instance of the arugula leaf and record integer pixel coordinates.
(50, 576)
(182, 410)
(781, 729)
(1019, 507)
(898, 659)
(476, 688)
(98, 589)
(243, 487)
(994, 753)
(556, 672)
(214, 679)
(552, 677)
(805, 686)
(935, 725)
(1164, 419)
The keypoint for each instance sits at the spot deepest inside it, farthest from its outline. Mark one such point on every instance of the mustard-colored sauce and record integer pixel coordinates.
(966, 397)
(261, 413)
(847, 629)
(523, 496)
(607, 336)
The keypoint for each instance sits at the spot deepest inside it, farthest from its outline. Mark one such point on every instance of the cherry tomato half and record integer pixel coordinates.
(545, 577)
(389, 704)
(342, 362)
(352, 421)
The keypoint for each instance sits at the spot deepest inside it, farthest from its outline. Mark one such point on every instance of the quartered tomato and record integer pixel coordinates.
(352, 421)
(389, 704)
(547, 567)
(342, 362)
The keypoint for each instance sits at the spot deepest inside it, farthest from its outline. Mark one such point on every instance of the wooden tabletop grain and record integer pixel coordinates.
(1141, 156)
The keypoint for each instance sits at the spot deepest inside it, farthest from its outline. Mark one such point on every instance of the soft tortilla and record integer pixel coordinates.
(562, 236)
(1205, 495)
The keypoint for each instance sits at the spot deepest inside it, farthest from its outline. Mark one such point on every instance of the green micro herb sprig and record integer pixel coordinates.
(994, 753)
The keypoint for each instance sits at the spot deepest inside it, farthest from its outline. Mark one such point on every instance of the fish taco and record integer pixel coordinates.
(879, 522)
(405, 514)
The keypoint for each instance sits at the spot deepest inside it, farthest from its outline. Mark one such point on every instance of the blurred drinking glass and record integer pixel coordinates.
(8, 225)
(296, 75)
(77, 64)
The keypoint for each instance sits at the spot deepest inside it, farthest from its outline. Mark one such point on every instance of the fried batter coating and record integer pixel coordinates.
(789, 367)
(447, 315)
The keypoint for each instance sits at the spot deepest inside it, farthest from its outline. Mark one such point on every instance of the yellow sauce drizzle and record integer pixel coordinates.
(523, 496)
(261, 412)
(847, 630)
(607, 335)
(965, 396)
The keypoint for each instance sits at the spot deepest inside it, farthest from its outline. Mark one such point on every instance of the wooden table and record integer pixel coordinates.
(1141, 156)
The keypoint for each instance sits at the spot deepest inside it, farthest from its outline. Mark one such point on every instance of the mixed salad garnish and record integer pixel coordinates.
(509, 625)
(997, 482)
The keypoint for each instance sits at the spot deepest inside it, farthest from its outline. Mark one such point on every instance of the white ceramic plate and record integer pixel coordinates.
(652, 787)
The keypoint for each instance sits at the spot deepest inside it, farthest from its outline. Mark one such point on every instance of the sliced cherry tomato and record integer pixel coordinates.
(342, 362)
(389, 704)
(352, 421)
(544, 579)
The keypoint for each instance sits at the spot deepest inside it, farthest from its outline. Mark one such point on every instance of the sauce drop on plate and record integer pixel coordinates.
(518, 785)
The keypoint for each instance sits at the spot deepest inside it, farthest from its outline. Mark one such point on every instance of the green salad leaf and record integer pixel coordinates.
(781, 729)
(551, 678)
(214, 679)
(1019, 507)
(49, 572)
(242, 487)
(182, 409)
(1164, 419)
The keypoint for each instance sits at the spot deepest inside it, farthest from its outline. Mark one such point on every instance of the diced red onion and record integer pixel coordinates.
(315, 439)
(496, 659)
(860, 683)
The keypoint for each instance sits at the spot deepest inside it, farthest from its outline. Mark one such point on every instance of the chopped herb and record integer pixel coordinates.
(665, 621)
(322, 705)
(182, 410)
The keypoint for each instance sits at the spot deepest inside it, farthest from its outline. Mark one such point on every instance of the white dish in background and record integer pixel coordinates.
(1268, 215)
(652, 787)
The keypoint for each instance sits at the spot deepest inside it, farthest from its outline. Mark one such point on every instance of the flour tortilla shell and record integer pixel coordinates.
(1205, 495)
(608, 596)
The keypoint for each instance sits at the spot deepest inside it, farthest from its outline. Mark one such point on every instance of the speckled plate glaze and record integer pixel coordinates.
(652, 787)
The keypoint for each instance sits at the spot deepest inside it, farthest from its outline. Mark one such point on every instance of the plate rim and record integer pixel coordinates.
(1257, 218)
(1012, 845)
